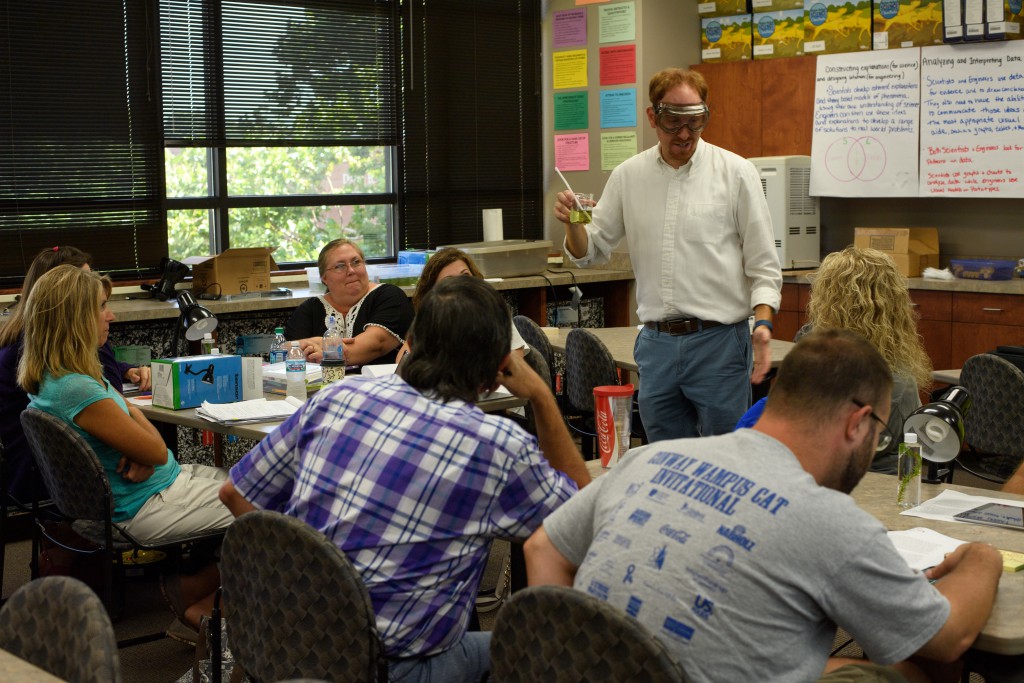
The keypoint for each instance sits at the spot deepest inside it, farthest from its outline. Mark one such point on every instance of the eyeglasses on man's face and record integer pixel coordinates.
(885, 436)
(353, 265)
(672, 118)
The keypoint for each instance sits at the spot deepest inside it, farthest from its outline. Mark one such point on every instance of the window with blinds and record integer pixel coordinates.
(80, 153)
(471, 119)
(280, 122)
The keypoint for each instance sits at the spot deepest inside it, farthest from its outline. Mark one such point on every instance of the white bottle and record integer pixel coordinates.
(207, 343)
(279, 347)
(295, 372)
(908, 472)
(215, 351)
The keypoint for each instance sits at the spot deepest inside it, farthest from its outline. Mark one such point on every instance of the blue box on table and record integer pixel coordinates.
(982, 269)
(187, 382)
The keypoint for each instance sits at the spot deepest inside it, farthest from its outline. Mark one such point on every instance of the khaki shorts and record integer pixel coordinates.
(863, 673)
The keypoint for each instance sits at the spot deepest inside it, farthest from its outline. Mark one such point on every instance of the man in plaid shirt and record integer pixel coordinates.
(412, 481)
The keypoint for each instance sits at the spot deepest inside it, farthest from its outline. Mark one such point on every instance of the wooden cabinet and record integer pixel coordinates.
(934, 310)
(791, 314)
(981, 322)
(761, 108)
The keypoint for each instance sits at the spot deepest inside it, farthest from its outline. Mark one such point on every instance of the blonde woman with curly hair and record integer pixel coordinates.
(862, 290)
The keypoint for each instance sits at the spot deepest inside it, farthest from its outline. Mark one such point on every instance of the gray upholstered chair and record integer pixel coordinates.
(561, 635)
(538, 341)
(58, 624)
(296, 606)
(588, 364)
(80, 490)
(994, 426)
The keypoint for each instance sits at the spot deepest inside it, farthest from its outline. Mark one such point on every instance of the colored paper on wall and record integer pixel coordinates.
(590, 2)
(571, 111)
(618, 108)
(569, 28)
(572, 152)
(616, 148)
(618, 64)
(570, 69)
(617, 23)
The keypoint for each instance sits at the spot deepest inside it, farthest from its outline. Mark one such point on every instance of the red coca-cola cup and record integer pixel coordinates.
(613, 412)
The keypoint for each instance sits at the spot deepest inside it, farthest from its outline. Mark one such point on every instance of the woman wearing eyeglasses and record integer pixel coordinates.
(371, 317)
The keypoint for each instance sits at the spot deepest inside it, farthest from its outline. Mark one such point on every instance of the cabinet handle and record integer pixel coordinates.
(914, 305)
(992, 310)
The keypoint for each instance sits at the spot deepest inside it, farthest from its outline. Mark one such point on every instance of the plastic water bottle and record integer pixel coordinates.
(333, 364)
(908, 472)
(279, 347)
(207, 343)
(295, 372)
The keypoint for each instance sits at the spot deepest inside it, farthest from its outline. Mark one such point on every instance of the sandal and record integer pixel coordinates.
(183, 633)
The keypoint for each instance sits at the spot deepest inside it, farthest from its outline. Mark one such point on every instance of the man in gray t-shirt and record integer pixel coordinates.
(742, 552)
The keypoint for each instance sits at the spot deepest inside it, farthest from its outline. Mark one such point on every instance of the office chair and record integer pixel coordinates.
(588, 364)
(81, 492)
(994, 426)
(533, 335)
(297, 606)
(561, 635)
(58, 624)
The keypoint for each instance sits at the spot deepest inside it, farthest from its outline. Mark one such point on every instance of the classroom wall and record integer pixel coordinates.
(668, 34)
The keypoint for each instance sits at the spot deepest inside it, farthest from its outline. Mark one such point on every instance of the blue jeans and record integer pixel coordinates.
(695, 384)
(466, 662)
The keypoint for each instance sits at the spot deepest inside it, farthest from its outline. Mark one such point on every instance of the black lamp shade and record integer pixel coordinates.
(195, 319)
(940, 425)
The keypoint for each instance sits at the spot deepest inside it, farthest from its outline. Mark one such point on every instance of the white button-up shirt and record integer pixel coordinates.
(700, 237)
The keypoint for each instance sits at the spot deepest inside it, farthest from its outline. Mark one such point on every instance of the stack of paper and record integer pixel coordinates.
(243, 412)
(275, 378)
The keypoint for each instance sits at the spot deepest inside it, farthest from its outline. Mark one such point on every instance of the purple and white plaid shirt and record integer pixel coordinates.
(413, 490)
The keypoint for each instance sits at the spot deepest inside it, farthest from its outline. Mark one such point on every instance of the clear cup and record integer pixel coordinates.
(586, 200)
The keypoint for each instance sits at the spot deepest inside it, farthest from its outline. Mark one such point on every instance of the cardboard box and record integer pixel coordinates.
(913, 249)
(723, 8)
(833, 26)
(779, 34)
(233, 271)
(725, 39)
(187, 382)
(906, 23)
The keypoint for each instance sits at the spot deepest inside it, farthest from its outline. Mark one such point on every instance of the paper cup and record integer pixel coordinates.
(613, 413)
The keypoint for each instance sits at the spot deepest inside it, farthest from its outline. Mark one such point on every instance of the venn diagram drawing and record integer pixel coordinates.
(856, 158)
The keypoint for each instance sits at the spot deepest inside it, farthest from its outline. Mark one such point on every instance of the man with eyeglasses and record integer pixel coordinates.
(700, 239)
(742, 553)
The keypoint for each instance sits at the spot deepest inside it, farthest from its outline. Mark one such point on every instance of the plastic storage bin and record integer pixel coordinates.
(508, 258)
(400, 275)
(982, 269)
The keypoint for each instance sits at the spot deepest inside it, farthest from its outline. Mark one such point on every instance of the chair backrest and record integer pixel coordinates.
(535, 337)
(588, 364)
(297, 606)
(58, 624)
(556, 634)
(68, 466)
(995, 423)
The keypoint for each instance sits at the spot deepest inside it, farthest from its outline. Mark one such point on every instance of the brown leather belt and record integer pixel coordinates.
(681, 326)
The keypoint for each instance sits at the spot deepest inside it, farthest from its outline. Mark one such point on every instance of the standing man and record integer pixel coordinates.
(743, 552)
(703, 251)
(412, 481)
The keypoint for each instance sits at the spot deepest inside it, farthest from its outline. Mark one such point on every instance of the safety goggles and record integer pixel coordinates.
(672, 119)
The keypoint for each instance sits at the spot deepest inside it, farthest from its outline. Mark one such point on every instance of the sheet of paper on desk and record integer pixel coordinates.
(949, 503)
(242, 412)
(146, 400)
(923, 548)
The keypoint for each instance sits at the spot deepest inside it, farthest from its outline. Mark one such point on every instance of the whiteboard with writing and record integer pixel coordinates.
(972, 126)
(866, 108)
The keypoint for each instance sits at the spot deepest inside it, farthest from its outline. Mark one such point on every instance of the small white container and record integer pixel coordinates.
(315, 284)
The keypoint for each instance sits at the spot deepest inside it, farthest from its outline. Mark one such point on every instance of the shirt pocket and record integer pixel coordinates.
(707, 223)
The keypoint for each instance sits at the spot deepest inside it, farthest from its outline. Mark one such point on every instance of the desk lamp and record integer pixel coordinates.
(939, 426)
(196, 320)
